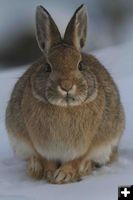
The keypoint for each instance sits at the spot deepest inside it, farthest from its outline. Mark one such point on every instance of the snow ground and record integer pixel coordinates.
(102, 184)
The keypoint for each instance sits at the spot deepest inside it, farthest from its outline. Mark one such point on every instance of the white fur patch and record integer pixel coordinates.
(21, 149)
(63, 92)
(59, 152)
(102, 154)
(73, 90)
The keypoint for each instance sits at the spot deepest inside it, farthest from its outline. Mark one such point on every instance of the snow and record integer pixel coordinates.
(103, 183)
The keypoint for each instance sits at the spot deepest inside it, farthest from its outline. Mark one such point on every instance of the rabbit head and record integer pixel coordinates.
(63, 78)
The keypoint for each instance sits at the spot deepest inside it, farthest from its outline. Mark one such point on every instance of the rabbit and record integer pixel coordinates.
(65, 115)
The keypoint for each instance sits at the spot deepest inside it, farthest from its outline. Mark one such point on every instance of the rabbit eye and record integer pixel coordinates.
(81, 66)
(48, 67)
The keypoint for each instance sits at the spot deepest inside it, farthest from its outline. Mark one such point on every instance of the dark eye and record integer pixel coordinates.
(81, 66)
(48, 67)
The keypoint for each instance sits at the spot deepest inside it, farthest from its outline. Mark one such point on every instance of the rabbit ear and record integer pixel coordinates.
(47, 33)
(76, 30)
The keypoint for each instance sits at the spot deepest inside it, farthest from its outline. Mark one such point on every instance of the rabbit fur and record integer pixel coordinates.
(65, 114)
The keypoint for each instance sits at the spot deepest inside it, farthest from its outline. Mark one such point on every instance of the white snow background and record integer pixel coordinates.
(102, 184)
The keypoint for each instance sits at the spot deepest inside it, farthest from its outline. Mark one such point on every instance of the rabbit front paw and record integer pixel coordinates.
(64, 174)
(35, 168)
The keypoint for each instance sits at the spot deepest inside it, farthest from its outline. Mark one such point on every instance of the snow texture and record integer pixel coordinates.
(103, 183)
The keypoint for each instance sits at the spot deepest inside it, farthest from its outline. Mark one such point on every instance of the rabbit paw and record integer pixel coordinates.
(49, 170)
(64, 174)
(85, 168)
(35, 168)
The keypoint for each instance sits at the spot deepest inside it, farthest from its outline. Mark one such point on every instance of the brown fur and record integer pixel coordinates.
(63, 136)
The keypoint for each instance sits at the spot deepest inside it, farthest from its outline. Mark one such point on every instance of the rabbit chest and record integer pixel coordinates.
(59, 133)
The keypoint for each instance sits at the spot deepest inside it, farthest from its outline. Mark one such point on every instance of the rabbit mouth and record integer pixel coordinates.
(65, 101)
(68, 98)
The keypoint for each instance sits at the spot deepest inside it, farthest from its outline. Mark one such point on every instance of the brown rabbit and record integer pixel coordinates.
(65, 112)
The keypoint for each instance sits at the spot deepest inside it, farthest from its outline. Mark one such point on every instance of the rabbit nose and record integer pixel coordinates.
(66, 85)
